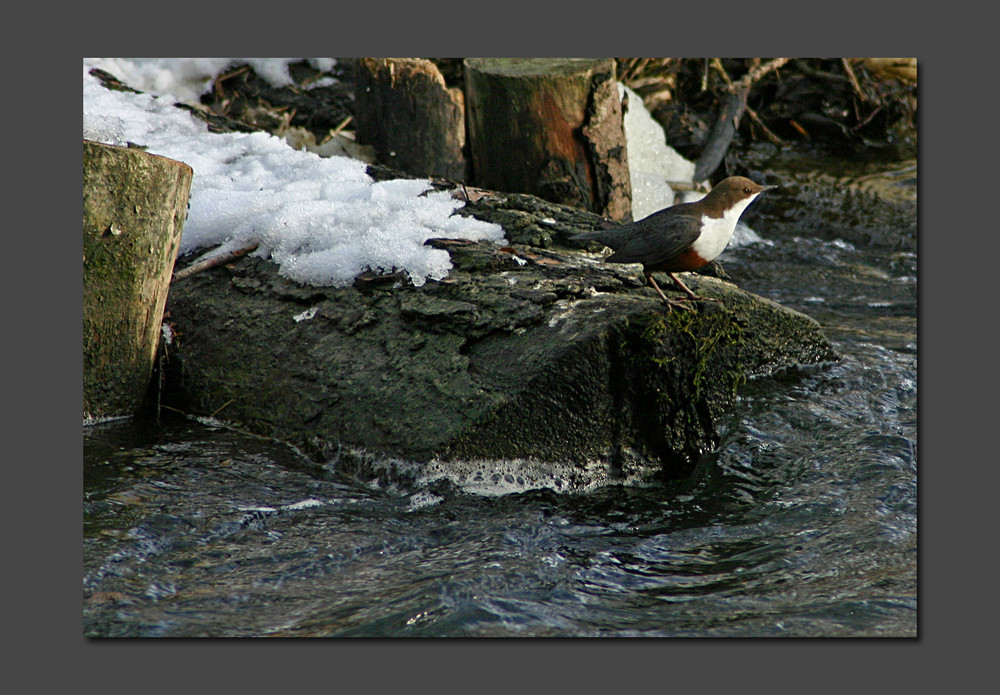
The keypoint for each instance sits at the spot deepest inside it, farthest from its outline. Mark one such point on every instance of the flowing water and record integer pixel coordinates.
(802, 523)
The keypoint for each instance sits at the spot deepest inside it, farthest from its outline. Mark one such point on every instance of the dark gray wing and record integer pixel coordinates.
(651, 240)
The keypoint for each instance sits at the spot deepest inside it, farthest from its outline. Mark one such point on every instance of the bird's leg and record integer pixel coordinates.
(688, 291)
(679, 303)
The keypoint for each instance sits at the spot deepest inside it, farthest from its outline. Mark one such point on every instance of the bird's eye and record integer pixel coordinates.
(746, 190)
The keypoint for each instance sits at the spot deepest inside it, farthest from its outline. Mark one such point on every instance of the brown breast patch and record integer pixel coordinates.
(684, 262)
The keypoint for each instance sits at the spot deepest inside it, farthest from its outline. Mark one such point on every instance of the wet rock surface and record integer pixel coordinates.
(539, 360)
(860, 196)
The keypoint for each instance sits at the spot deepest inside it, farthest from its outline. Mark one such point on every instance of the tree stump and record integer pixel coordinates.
(413, 120)
(549, 127)
(134, 206)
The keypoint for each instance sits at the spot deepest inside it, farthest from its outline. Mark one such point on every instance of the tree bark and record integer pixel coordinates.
(549, 127)
(415, 123)
(134, 207)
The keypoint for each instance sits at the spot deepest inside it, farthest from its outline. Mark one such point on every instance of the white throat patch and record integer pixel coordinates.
(717, 231)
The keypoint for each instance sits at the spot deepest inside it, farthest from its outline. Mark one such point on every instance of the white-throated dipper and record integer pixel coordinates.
(682, 237)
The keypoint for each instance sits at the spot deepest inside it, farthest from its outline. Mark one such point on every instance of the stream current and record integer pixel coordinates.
(802, 523)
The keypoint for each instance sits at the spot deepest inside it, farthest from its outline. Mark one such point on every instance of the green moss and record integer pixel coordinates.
(683, 361)
(665, 336)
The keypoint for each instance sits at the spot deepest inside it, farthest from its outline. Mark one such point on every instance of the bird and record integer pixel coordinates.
(682, 237)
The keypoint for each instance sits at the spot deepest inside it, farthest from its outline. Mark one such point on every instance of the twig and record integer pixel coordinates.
(750, 112)
(853, 78)
(211, 263)
(216, 411)
(758, 71)
(717, 64)
(802, 131)
(342, 125)
(870, 116)
(222, 78)
(729, 116)
(682, 185)
(767, 131)
(309, 80)
(234, 73)
(805, 69)
(334, 132)
(634, 67)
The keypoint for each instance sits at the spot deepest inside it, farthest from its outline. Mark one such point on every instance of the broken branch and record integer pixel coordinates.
(211, 263)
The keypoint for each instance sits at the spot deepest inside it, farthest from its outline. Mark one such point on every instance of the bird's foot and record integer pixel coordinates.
(679, 303)
(685, 302)
(690, 294)
(699, 298)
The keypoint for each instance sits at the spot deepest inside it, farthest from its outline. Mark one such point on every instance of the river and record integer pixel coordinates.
(802, 524)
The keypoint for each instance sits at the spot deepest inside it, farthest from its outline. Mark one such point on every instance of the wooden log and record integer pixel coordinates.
(413, 120)
(134, 206)
(728, 120)
(549, 127)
